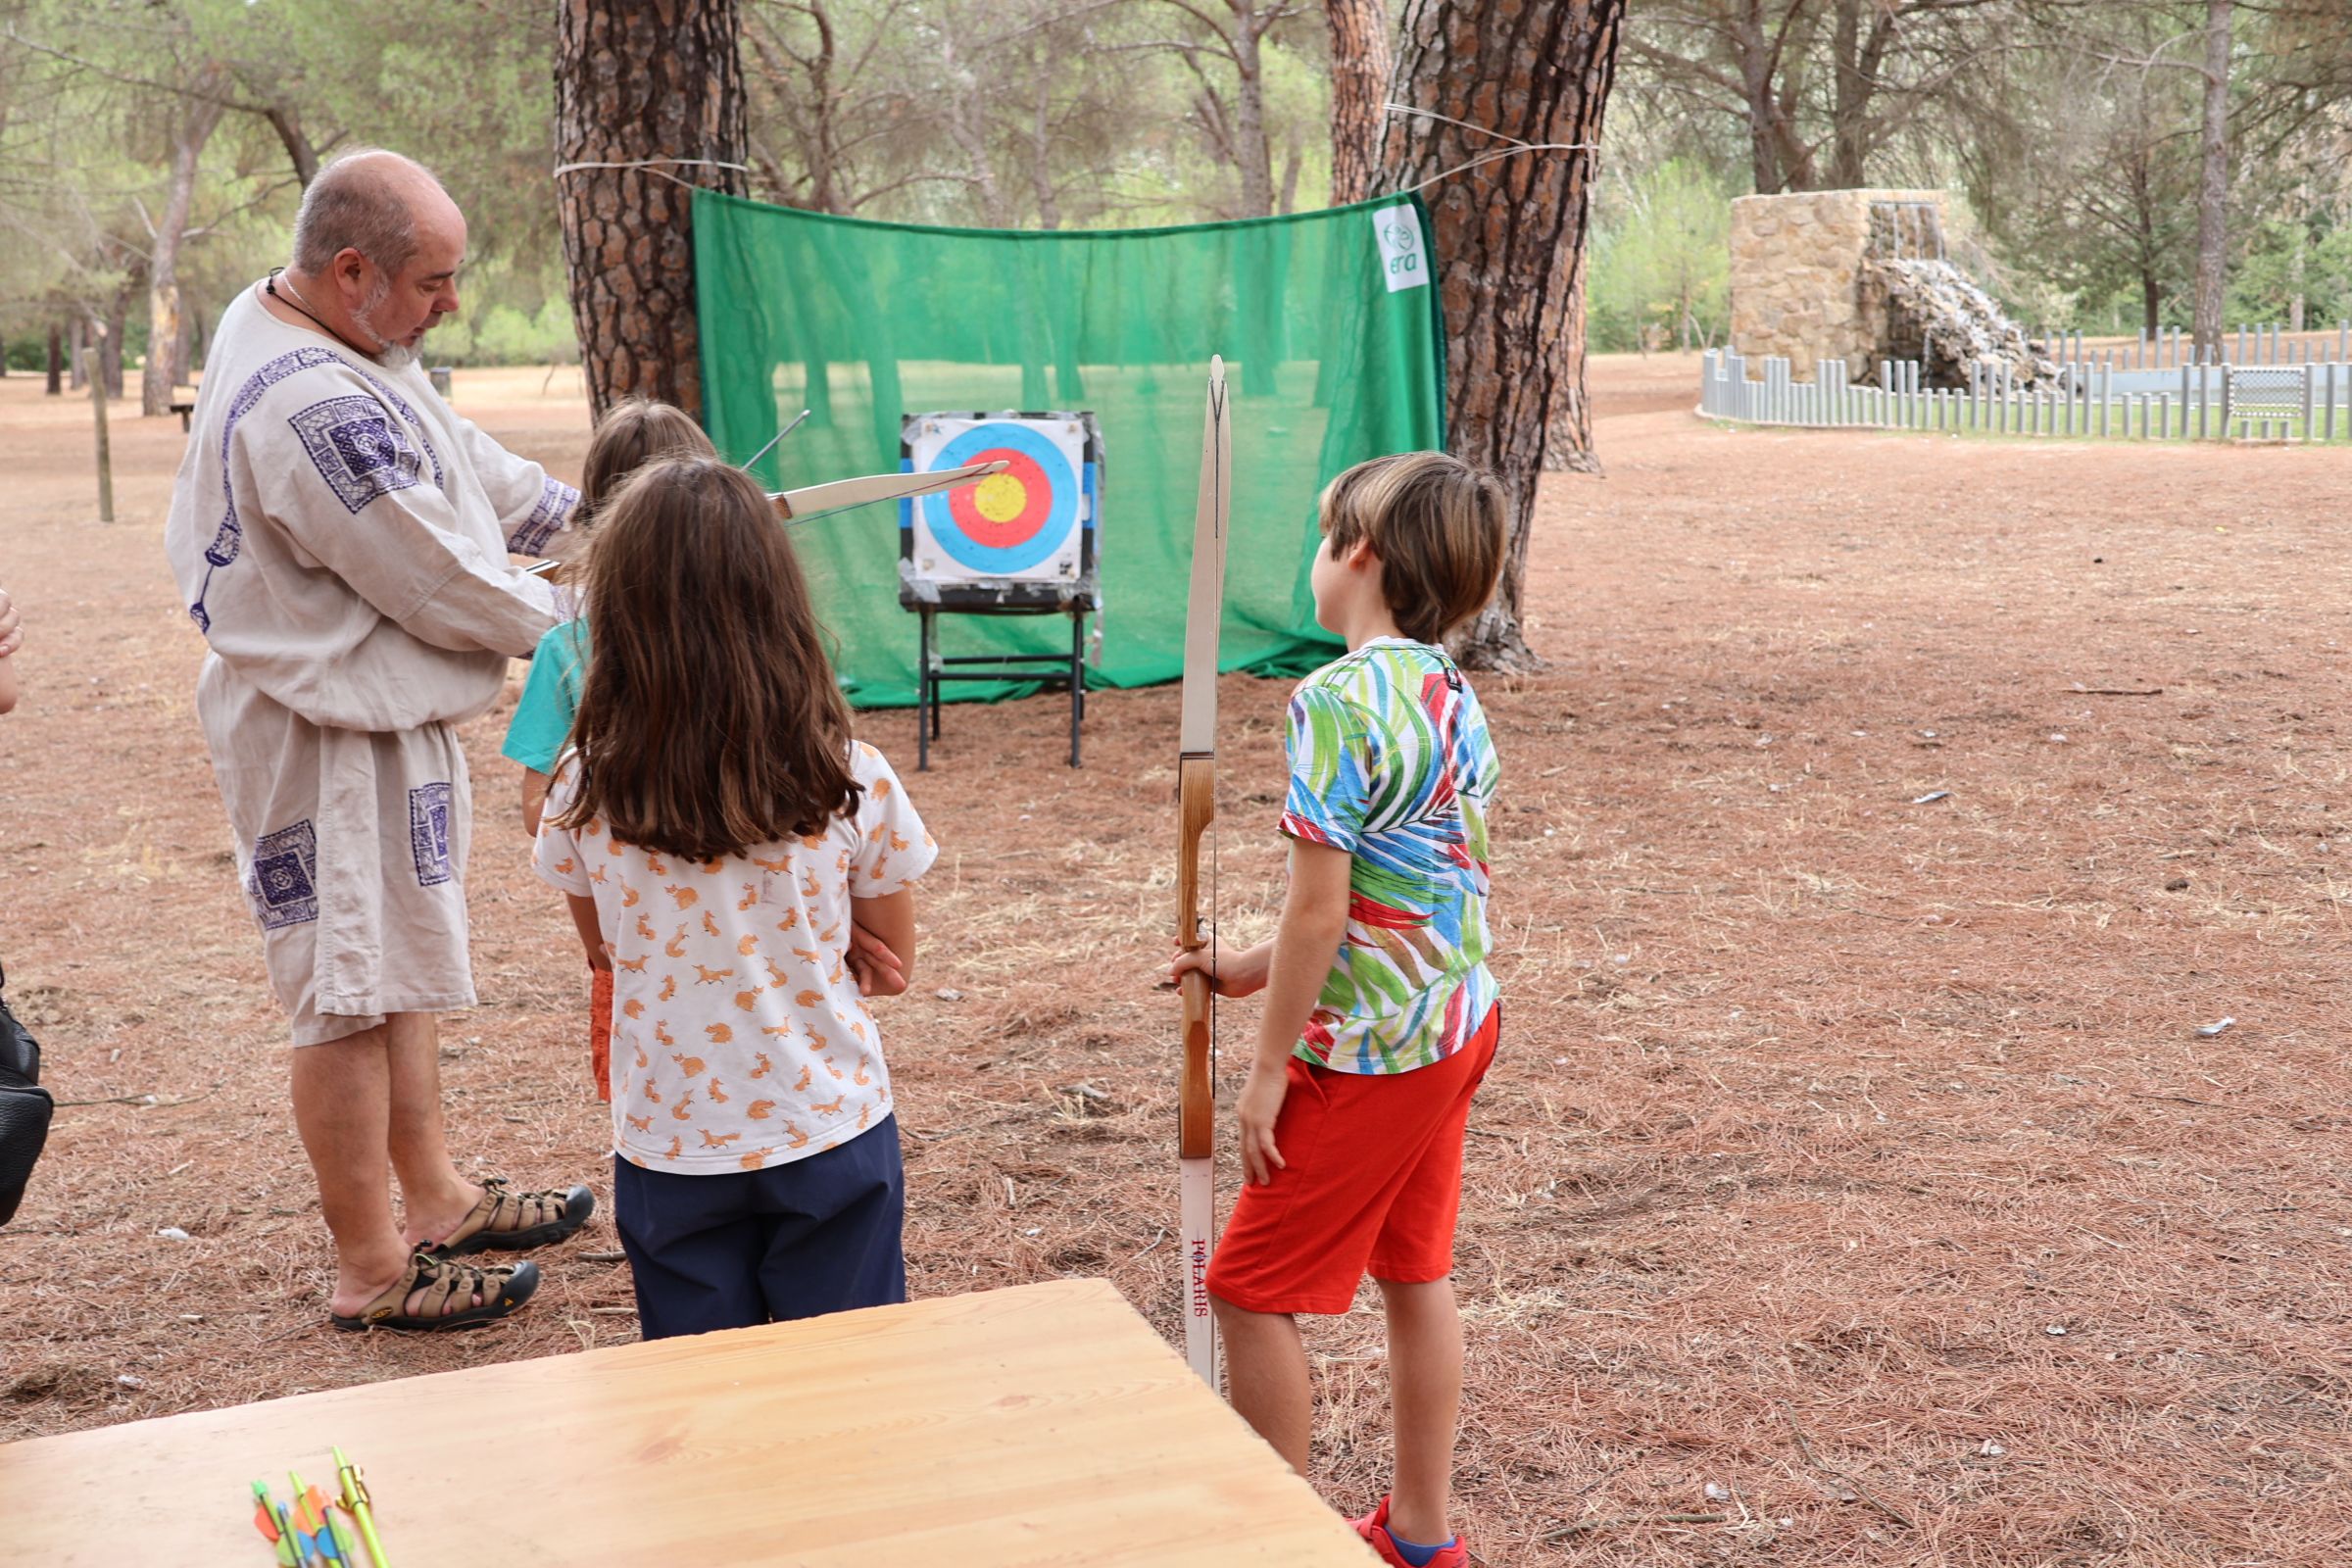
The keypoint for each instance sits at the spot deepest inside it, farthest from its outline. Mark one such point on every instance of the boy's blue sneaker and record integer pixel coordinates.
(1400, 1554)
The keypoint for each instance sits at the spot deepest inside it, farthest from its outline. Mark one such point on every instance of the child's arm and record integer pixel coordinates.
(592, 931)
(1240, 973)
(882, 942)
(534, 799)
(12, 637)
(1314, 922)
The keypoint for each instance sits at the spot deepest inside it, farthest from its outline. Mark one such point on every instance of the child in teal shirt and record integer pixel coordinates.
(633, 433)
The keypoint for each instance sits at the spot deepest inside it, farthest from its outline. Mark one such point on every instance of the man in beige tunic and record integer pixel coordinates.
(342, 539)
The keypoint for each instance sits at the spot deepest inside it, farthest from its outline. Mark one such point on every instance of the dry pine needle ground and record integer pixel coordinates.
(1853, 1187)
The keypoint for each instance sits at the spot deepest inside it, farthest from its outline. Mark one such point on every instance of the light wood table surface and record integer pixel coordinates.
(1042, 1424)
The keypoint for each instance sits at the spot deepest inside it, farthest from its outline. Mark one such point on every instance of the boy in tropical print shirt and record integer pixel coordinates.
(1380, 1017)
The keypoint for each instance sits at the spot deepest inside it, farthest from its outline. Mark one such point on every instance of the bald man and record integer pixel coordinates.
(342, 540)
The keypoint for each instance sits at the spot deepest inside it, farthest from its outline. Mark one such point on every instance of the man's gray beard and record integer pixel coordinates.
(388, 353)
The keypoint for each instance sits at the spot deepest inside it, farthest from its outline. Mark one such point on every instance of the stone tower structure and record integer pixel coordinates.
(1802, 285)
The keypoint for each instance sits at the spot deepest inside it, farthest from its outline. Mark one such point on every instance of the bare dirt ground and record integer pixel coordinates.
(1855, 1186)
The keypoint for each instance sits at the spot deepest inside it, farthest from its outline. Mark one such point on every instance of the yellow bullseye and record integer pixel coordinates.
(999, 497)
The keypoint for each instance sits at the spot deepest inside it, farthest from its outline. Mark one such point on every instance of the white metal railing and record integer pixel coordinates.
(2089, 400)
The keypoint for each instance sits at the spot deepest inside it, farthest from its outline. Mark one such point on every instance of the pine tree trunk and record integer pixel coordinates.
(1509, 241)
(1040, 154)
(1755, 85)
(117, 335)
(658, 86)
(198, 118)
(2213, 189)
(1249, 142)
(57, 363)
(1363, 60)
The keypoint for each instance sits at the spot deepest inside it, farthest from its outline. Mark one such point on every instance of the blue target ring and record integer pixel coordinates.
(1059, 511)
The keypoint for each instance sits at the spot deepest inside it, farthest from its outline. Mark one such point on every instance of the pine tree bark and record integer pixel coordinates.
(655, 86)
(2212, 191)
(57, 362)
(117, 336)
(1509, 241)
(1363, 60)
(199, 116)
(1250, 144)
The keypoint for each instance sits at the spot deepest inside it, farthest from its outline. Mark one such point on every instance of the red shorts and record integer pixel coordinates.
(1371, 1180)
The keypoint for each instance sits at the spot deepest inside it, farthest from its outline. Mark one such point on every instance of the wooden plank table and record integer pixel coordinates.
(1042, 1424)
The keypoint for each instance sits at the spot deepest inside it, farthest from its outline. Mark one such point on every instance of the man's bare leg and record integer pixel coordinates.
(342, 1106)
(436, 1198)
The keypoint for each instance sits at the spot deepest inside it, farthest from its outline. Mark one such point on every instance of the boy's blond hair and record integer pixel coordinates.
(1438, 526)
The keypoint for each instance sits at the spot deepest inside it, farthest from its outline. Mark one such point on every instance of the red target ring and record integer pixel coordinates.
(1004, 509)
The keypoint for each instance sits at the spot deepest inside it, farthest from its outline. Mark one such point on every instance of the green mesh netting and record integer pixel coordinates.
(862, 323)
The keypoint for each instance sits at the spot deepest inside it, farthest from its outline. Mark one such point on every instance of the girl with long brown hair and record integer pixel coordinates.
(722, 835)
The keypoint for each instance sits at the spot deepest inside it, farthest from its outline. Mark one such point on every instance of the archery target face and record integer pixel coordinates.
(1021, 526)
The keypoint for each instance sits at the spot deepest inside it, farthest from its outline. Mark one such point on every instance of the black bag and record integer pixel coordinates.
(25, 1108)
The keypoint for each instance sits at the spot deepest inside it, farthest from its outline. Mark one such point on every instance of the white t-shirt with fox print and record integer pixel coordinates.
(739, 1039)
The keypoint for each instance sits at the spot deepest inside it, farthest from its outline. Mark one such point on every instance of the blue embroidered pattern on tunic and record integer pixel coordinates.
(283, 882)
(428, 832)
(229, 538)
(556, 501)
(356, 449)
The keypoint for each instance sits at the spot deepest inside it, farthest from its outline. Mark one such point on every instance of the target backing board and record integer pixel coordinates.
(1023, 539)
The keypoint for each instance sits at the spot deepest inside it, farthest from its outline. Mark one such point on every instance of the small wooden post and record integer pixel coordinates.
(106, 466)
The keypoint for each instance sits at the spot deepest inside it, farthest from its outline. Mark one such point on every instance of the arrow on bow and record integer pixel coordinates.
(1196, 807)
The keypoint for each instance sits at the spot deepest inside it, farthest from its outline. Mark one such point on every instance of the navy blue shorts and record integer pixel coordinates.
(730, 1249)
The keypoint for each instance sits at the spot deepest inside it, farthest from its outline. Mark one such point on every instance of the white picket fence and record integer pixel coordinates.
(2169, 348)
(2093, 400)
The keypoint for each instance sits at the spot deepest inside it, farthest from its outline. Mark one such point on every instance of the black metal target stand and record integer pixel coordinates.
(1061, 450)
(1068, 671)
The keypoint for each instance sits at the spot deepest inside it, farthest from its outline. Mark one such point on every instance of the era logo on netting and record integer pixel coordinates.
(1403, 256)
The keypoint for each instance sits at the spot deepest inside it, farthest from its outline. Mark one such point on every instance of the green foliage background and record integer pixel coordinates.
(2065, 129)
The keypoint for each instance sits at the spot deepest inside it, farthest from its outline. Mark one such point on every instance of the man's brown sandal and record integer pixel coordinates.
(511, 1221)
(502, 1290)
